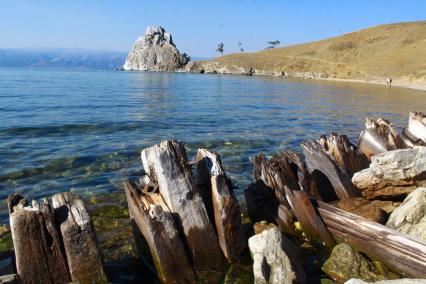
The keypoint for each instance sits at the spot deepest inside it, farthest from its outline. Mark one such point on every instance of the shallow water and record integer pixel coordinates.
(82, 130)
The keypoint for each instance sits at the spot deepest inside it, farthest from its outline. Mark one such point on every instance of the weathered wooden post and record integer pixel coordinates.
(157, 225)
(379, 136)
(79, 239)
(38, 247)
(226, 210)
(167, 165)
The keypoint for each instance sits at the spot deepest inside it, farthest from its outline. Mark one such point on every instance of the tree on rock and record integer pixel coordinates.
(220, 48)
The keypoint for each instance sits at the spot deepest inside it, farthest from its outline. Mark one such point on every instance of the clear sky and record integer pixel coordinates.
(196, 26)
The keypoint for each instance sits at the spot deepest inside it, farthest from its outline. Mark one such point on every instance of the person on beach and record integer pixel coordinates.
(389, 82)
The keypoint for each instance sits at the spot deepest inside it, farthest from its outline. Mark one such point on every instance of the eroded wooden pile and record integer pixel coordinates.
(54, 244)
(192, 225)
(331, 162)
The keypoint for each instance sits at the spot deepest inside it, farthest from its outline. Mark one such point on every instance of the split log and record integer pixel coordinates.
(79, 239)
(397, 251)
(38, 248)
(278, 174)
(414, 134)
(157, 225)
(262, 204)
(379, 136)
(167, 165)
(331, 163)
(227, 214)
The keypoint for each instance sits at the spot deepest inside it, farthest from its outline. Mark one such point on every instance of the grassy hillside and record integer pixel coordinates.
(396, 50)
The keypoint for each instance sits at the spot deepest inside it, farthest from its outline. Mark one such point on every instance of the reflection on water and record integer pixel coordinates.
(83, 130)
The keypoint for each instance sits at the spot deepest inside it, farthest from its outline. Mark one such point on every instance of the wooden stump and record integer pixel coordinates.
(78, 235)
(226, 210)
(279, 175)
(336, 159)
(38, 248)
(414, 134)
(157, 225)
(167, 165)
(379, 136)
(397, 251)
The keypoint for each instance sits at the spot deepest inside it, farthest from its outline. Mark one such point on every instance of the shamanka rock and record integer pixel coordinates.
(393, 173)
(410, 217)
(275, 259)
(155, 51)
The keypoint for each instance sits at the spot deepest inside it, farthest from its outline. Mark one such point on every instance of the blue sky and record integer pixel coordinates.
(197, 26)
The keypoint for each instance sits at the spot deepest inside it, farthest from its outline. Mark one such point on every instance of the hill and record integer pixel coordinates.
(61, 57)
(393, 50)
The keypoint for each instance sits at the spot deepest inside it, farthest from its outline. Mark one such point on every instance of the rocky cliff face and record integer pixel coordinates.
(155, 51)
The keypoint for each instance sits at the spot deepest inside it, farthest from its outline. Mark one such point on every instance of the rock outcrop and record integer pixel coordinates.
(394, 173)
(346, 263)
(155, 51)
(410, 217)
(274, 259)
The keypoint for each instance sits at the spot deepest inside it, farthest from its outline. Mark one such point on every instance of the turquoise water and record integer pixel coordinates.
(82, 130)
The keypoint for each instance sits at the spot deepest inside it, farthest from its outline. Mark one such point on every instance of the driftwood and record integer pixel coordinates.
(38, 248)
(414, 134)
(379, 136)
(331, 162)
(78, 235)
(157, 225)
(278, 174)
(227, 214)
(167, 165)
(397, 251)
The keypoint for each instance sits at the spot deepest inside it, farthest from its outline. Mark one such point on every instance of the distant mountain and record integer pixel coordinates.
(61, 57)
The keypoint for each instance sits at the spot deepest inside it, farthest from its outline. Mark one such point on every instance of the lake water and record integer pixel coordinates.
(83, 130)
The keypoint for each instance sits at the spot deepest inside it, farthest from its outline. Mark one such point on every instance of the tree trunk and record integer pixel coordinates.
(397, 251)
(167, 164)
(227, 213)
(157, 225)
(78, 235)
(38, 249)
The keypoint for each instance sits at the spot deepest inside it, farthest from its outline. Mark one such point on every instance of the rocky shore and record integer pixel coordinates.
(341, 213)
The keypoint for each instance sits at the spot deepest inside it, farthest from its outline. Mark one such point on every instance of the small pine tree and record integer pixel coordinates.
(220, 48)
(272, 44)
(240, 47)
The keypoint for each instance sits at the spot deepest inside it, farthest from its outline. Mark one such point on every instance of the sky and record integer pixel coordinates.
(196, 26)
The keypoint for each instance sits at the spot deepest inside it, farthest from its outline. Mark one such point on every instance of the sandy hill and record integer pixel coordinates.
(395, 50)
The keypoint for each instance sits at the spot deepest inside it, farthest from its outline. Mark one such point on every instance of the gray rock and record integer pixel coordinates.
(393, 173)
(345, 263)
(275, 259)
(155, 51)
(397, 281)
(410, 217)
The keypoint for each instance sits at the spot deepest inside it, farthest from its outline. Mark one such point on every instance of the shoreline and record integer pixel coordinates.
(213, 67)
(413, 86)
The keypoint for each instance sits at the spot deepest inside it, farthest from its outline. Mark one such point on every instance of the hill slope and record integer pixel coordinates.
(394, 50)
